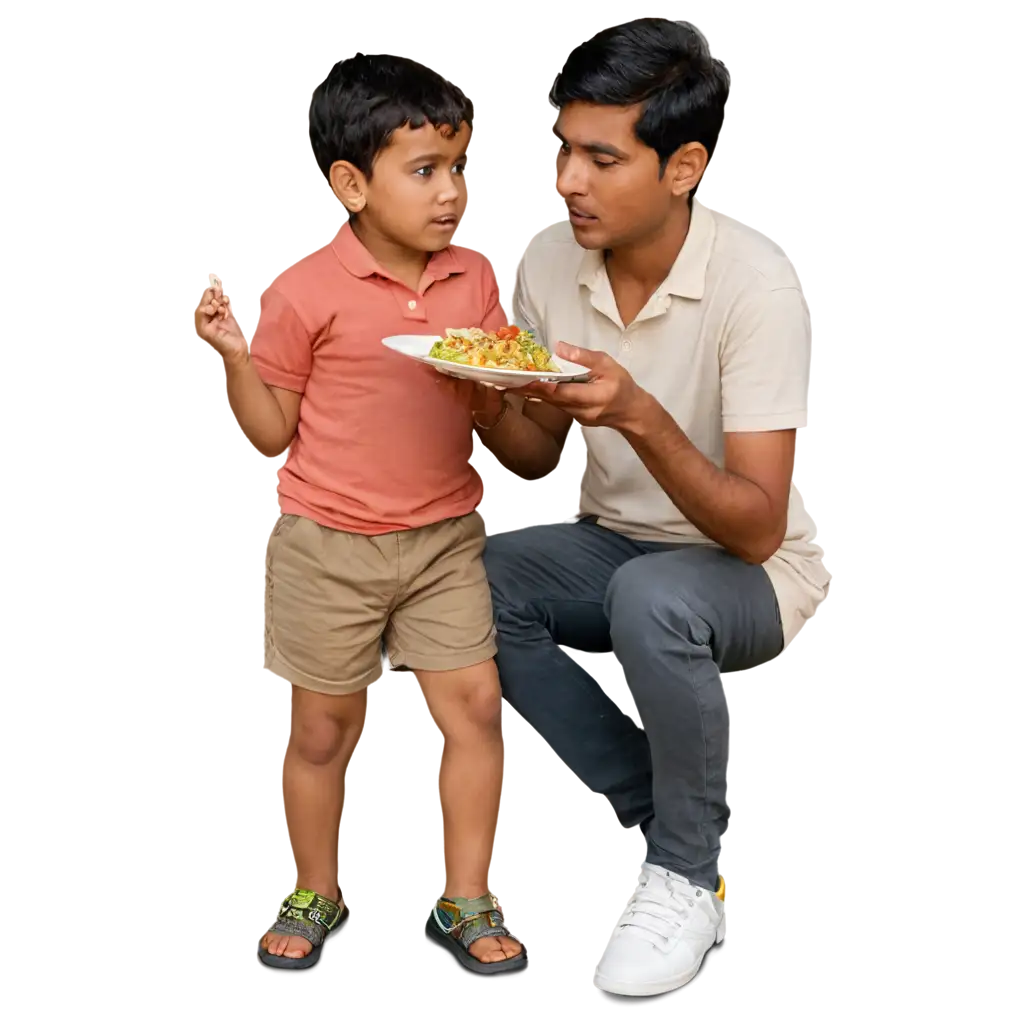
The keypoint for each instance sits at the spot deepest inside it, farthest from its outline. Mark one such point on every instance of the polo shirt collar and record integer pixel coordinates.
(356, 259)
(687, 276)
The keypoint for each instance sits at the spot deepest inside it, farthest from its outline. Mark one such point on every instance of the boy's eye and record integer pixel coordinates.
(424, 172)
(459, 169)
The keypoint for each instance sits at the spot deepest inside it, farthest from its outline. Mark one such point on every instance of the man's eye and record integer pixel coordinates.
(565, 149)
(605, 163)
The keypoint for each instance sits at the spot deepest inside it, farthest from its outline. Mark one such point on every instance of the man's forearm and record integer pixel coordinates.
(729, 509)
(520, 445)
(257, 410)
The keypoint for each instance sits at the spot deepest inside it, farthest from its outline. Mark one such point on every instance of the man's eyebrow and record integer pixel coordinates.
(595, 148)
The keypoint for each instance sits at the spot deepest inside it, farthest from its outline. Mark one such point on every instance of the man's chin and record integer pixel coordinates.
(589, 236)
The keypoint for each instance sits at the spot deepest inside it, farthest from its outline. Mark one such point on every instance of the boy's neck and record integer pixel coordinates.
(404, 264)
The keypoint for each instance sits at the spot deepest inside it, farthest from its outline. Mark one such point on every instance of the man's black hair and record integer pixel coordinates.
(664, 65)
(366, 99)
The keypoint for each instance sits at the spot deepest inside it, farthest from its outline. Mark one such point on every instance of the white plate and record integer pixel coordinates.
(417, 346)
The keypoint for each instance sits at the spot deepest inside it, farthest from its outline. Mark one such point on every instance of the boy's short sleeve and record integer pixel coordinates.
(494, 315)
(282, 348)
(765, 361)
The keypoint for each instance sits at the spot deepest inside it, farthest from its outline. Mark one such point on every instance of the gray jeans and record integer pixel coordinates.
(676, 616)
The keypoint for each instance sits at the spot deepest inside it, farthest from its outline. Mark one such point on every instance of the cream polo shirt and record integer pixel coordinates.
(724, 344)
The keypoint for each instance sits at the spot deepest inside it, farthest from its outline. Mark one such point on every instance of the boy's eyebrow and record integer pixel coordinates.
(595, 148)
(433, 158)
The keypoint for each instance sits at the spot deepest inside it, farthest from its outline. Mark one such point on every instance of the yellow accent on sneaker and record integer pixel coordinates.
(720, 891)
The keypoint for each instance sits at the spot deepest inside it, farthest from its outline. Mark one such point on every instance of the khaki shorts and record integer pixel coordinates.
(332, 598)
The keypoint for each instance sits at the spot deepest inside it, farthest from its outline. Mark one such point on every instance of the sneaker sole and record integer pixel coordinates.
(659, 992)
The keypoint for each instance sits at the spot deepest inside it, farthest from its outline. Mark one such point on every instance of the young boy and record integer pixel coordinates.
(378, 537)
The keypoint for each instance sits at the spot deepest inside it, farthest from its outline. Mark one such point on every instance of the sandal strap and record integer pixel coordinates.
(469, 920)
(308, 915)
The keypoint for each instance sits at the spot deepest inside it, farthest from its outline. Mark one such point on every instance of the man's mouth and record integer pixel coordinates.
(578, 216)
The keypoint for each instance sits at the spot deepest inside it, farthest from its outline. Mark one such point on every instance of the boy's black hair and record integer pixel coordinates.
(666, 66)
(365, 99)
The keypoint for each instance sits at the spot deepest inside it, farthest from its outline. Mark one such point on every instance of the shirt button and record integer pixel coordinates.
(412, 303)
(627, 345)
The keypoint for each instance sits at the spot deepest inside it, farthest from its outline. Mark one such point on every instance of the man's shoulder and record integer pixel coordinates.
(553, 245)
(751, 257)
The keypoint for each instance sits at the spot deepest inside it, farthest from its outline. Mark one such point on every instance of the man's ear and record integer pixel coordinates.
(685, 168)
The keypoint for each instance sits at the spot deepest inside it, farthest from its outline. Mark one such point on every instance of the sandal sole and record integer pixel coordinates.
(435, 934)
(299, 963)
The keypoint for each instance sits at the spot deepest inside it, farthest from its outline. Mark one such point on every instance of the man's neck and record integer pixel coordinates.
(645, 264)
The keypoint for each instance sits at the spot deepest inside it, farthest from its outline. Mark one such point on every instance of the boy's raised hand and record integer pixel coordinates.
(216, 324)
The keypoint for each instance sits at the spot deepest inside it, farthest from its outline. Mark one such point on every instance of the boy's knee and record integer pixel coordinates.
(478, 710)
(484, 706)
(318, 738)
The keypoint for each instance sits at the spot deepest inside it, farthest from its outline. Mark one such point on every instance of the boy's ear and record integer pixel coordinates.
(349, 185)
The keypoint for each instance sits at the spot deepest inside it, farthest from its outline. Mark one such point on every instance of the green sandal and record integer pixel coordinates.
(310, 916)
(457, 923)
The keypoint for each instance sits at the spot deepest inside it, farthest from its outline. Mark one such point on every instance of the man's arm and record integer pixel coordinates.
(764, 361)
(525, 437)
(742, 506)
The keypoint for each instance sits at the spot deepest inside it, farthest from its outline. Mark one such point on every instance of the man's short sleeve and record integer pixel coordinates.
(524, 312)
(494, 315)
(282, 348)
(765, 361)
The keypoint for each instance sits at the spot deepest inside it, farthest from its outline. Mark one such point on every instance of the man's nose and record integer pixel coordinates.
(570, 182)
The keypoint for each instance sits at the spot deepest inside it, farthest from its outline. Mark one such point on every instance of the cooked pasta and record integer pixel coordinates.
(506, 349)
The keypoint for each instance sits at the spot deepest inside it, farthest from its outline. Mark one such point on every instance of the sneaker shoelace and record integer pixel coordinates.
(657, 908)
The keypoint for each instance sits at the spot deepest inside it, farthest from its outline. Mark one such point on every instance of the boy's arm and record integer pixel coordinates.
(263, 386)
(267, 415)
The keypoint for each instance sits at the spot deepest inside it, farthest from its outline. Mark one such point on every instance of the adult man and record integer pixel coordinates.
(693, 553)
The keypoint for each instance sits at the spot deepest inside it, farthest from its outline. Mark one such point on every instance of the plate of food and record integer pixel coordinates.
(509, 356)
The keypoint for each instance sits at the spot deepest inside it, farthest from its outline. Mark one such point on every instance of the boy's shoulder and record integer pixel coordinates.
(470, 260)
(308, 276)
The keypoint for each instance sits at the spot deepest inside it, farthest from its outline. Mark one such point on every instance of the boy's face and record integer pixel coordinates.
(417, 194)
(610, 180)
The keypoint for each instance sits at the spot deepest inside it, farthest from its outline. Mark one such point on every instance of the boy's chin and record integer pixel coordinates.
(438, 236)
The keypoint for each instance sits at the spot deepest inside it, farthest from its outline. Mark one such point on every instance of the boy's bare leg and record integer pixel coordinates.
(325, 731)
(466, 705)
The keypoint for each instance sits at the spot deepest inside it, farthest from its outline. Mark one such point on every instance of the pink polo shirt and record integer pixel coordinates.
(383, 441)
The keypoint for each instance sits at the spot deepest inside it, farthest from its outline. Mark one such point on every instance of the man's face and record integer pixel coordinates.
(609, 179)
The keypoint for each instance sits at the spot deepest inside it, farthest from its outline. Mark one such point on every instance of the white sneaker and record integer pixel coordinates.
(662, 936)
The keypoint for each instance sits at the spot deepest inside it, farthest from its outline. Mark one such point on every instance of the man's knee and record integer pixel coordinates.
(645, 603)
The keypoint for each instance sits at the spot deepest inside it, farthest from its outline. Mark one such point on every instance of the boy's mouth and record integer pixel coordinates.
(449, 220)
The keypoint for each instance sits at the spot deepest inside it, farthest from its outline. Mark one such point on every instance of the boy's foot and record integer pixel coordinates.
(474, 932)
(303, 923)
